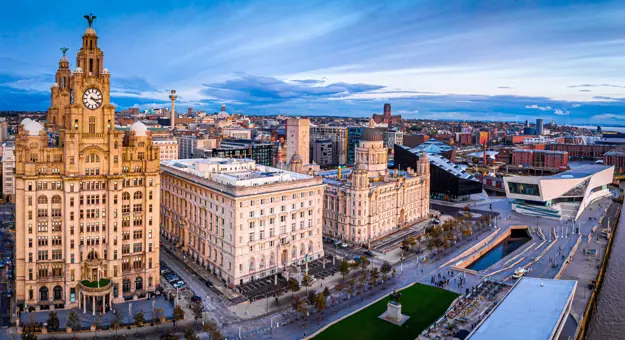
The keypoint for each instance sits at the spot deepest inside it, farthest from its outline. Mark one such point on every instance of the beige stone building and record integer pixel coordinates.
(370, 202)
(168, 148)
(241, 220)
(87, 197)
(8, 171)
(298, 139)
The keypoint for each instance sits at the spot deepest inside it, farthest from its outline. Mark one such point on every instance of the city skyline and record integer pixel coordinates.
(453, 61)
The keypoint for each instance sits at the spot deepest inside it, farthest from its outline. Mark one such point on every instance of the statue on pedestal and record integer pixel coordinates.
(395, 297)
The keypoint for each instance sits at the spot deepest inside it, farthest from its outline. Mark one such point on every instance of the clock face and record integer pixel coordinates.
(92, 98)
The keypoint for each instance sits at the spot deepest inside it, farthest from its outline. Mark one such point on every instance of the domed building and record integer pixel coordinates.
(82, 188)
(371, 202)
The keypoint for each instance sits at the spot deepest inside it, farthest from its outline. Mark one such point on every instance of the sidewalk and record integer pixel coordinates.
(201, 272)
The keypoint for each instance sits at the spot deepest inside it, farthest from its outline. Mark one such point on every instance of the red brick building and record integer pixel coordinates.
(540, 158)
(582, 151)
(615, 157)
(387, 117)
(464, 138)
(415, 140)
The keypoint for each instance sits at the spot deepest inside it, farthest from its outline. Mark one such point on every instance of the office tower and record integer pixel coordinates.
(298, 139)
(539, 127)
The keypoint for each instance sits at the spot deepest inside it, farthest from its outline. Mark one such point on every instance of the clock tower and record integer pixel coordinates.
(87, 196)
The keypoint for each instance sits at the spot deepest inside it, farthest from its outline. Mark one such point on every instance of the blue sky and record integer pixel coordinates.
(452, 59)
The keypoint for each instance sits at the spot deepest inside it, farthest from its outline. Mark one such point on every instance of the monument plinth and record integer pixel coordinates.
(393, 311)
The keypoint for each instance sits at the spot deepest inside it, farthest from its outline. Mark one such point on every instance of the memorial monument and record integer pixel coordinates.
(393, 310)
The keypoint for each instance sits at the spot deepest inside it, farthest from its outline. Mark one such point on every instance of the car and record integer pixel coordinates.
(209, 284)
(8, 261)
(179, 284)
(344, 245)
(419, 251)
(436, 221)
(368, 253)
(173, 279)
(1, 265)
(196, 299)
(338, 242)
(165, 271)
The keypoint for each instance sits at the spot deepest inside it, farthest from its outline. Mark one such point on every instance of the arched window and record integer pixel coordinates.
(252, 264)
(125, 196)
(293, 252)
(43, 293)
(92, 255)
(126, 286)
(58, 293)
(262, 262)
(139, 283)
(301, 250)
(138, 195)
(42, 200)
(56, 199)
(310, 247)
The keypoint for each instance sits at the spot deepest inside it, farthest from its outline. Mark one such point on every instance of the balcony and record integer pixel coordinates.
(94, 287)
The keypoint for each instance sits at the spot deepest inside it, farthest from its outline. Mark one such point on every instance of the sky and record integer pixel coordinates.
(452, 59)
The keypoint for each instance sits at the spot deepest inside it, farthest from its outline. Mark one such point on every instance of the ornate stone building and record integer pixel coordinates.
(372, 202)
(241, 220)
(87, 196)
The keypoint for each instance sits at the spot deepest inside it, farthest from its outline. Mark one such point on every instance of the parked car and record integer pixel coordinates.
(173, 279)
(165, 271)
(368, 253)
(209, 284)
(196, 299)
(338, 242)
(344, 245)
(179, 284)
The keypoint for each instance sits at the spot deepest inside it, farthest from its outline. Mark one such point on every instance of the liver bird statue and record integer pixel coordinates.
(64, 50)
(90, 18)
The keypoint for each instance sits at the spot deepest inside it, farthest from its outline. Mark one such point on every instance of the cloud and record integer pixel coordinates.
(541, 108)
(575, 106)
(257, 89)
(584, 90)
(505, 87)
(308, 81)
(132, 85)
(608, 116)
(561, 112)
(598, 85)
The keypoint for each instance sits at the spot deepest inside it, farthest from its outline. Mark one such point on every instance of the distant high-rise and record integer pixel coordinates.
(598, 129)
(527, 123)
(298, 139)
(539, 127)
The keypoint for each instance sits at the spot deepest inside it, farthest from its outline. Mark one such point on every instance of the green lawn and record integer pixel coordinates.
(424, 304)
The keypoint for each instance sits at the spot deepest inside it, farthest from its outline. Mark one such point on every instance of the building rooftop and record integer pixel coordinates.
(580, 172)
(450, 167)
(532, 310)
(232, 171)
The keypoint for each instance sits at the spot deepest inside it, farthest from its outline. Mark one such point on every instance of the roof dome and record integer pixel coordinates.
(423, 156)
(64, 59)
(33, 127)
(77, 70)
(371, 135)
(90, 31)
(54, 85)
(223, 113)
(139, 128)
(105, 71)
(360, 166)
(296, 158)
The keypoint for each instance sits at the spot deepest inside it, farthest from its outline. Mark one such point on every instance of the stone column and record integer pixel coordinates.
(93, 306)
(111, 301)
(104, 304)
(84, 303)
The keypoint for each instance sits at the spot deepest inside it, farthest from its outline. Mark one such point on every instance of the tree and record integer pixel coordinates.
(350, 287)
(157, 314)
(374, 275)
(53, 321)
(295, 301)
(344, 268)
(326, 291)
(310, 297)
(139, 320)
(394, 273)
(178, 314)
(116, 322)
(213, 331)
(73, 322)
(293, 286)
(320, 302)
(408, 242)
(197, 308)
(302, 308)
(364, 263)
(189, 334)
(339, 288)
(306, 282)
(385, 269)
(168, 336)
(29, 335)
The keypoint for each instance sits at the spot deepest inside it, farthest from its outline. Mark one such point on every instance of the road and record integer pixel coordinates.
(212, 301)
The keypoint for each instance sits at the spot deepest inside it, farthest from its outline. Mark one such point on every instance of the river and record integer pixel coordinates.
(608, 320)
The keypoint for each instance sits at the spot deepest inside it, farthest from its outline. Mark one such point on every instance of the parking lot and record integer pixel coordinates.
(261, 288)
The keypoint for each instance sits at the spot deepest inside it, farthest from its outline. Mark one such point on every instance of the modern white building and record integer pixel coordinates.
(561, 196)
(241, 220)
